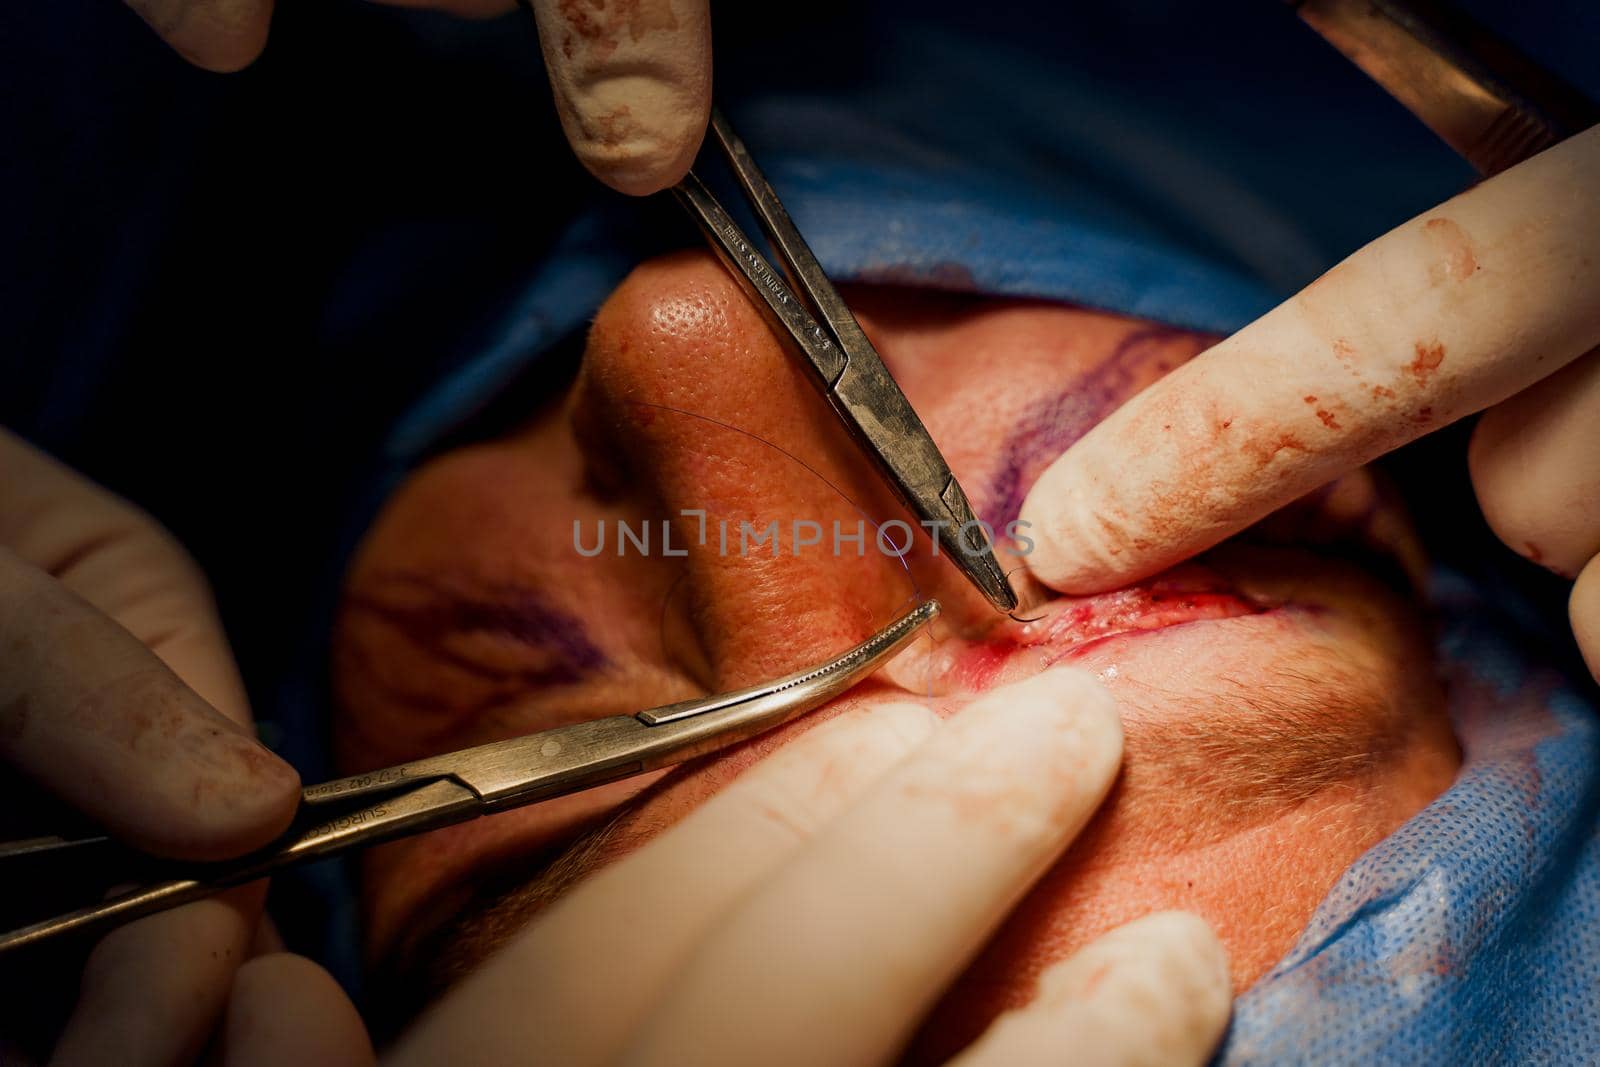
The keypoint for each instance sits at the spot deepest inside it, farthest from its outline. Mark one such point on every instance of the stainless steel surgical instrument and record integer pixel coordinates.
(441, 790)
(1488, 101)
(804, 308)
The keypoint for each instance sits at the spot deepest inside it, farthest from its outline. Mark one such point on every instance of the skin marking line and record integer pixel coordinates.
(1055, 424)
(443, 610)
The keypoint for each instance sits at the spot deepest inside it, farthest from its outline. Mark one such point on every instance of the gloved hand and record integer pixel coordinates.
(118, 694)
(1494, 294)
(813, 910)
(632, 81)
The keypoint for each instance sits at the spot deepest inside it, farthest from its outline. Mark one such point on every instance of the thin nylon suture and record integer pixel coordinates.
(1011, 614)
(917, 598)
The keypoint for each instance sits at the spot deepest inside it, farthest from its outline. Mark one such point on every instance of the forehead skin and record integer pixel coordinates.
(1263, 753)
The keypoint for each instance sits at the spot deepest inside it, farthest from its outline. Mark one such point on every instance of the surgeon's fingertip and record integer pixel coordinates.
(1062, 722)
(1094, 717)
(1182, 964)
(151, 991)
(221, 36)
(1076, 698)
(643, 155)
(222, 794)
(1157, 988)
(270, 793)
(1051, 519)
(245, 799)
(1153, 991)
(1187, 955)
(228, 56)
(632, 85)
(285, 1010)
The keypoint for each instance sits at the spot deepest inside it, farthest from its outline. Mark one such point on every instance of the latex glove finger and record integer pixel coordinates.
(91, 712)
(153, 990)
(96, 718)
(632, 85)
(218, 35)
(1444, 316)
(1584, 610)
(599, 960)
(838, 957)
(1153, 992)
(91, 707)
(122, 562)
(285, 1011)
(1535, 463)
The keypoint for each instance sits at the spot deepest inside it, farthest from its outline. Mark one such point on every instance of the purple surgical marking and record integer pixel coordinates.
(1051, 426)
(429, 611)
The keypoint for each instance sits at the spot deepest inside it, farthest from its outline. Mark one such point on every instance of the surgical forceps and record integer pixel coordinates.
(805, 309)
(1493, 105)
(442, 790)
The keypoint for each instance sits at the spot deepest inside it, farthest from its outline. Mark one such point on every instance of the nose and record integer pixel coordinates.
(689, 403)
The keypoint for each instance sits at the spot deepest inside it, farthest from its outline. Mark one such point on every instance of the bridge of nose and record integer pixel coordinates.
(686, 389)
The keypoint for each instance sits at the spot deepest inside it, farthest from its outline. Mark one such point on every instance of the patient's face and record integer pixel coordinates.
(1279, 702)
